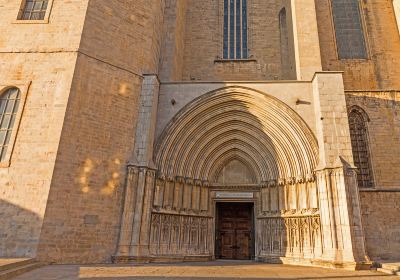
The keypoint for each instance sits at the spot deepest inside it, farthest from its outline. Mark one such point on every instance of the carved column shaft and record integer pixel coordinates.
(128, 213)
(340, 216)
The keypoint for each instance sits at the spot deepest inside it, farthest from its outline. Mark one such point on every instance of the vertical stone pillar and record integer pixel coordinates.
(343, 237)
(264, 194)
(138, 201)
(146, 125)
(306, 40)
(129, 210)
(178, 195)
(136, 217)
(159, 191)
(204, 197)
(139, 248)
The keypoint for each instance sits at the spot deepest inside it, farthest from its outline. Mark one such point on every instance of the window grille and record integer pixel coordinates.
(9, 102)
(34, 10)
(235, 29)
(359, 144)
(350, 39)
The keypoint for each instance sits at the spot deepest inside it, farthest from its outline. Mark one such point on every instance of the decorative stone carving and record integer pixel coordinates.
(178, 235)
(292, 236)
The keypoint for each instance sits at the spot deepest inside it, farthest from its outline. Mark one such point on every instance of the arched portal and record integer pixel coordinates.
(236, 122)
(234, 174)
(234, 144)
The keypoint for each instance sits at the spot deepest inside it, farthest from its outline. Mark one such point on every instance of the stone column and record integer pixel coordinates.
(343, 237)
(306, 39)
(138, 201)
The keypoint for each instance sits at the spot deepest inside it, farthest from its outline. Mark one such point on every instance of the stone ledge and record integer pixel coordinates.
(159, 259)
(316, 263)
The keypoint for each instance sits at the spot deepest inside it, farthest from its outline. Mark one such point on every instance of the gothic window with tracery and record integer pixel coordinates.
(9, 102)
(235, 29)
(34, 9)
(349, 32)
(360, 147)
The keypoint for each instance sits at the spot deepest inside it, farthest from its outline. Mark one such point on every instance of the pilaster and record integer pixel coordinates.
(135, 223)
(306, 40)
(343, 237)
(147, 118)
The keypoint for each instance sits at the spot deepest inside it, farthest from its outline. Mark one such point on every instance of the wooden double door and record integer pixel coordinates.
(234, 235)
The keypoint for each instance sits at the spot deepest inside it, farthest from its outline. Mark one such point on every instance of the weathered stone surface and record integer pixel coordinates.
(131, 124)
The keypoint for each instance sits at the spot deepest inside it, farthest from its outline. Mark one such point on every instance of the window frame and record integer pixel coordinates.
(220, 56)
(45, 20)
(23, 89)
(366, 119)
(364, 31)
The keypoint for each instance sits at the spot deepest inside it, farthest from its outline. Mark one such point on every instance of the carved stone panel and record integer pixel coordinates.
(178, 235)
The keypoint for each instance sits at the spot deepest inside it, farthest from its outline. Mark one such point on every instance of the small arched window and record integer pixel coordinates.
(9, 102)
(359, 143)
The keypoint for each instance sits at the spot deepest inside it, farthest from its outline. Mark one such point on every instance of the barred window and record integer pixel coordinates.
(360, 147)
(9, 102)
(34, 9)
(235, 29)
(350, 39)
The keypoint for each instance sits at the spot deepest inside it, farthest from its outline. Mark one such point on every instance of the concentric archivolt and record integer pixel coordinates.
(236, 123)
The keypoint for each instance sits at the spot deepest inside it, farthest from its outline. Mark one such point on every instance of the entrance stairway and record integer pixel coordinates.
(392, 268)
(10, 268)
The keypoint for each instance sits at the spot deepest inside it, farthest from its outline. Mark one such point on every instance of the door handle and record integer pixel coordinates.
(235, 247)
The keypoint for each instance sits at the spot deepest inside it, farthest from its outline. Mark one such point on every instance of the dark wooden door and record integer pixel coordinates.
(234, 231)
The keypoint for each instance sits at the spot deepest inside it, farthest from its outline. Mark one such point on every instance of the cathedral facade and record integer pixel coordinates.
(187, 130)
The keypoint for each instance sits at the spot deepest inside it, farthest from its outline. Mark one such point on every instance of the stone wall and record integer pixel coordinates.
(380, 213)
(42, 55)
(173, 40)
(97, 139)
(380, 70)
(380, 206)
(175, 96)
(382, 109)
(203, 43)
(99, 131)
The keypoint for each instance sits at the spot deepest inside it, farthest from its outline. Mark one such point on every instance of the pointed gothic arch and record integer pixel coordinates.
(358, 124)
(236, 122)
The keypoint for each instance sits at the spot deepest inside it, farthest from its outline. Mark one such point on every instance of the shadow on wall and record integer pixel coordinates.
(19, 231)
(380, 208)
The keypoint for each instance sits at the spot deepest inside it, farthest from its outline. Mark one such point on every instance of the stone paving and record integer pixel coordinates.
(218, 270)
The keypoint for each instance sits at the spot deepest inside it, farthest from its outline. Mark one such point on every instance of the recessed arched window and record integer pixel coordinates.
(360, 146)
(9, 103)
(349, 32)
(235, 29)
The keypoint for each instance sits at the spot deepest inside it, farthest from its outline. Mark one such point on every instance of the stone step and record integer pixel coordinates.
(387, 271)
(18, 270)
(6, 264)
(392, 266)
